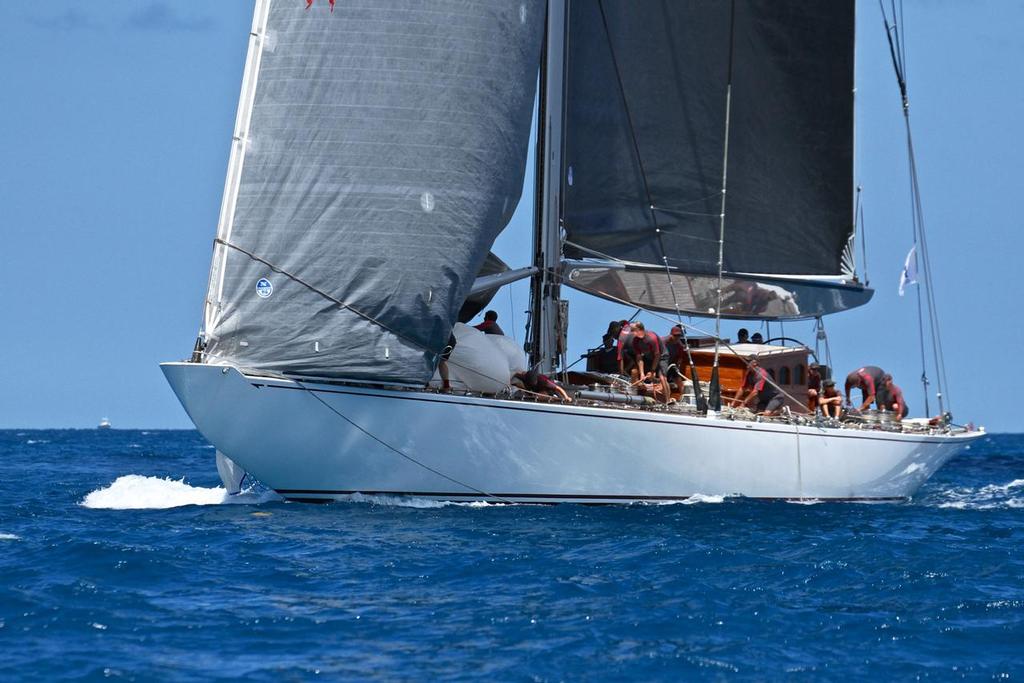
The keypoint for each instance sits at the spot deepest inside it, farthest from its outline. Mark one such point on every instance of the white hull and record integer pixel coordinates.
(321, 442)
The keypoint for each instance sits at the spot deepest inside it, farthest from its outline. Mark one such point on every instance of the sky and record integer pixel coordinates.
(115, 124)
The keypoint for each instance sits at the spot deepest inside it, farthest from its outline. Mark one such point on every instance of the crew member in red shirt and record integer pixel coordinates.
(541, 384)
(869, 380)
(646, 350)
(891, 398)
(755, 386)
(490, 324)
(675, 357)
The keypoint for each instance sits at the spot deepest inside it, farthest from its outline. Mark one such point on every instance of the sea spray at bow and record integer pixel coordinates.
(136, 492)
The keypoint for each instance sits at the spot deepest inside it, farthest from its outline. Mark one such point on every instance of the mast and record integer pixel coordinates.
(239, 140)
(545, 289)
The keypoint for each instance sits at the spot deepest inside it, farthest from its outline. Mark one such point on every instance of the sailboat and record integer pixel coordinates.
(693, 159)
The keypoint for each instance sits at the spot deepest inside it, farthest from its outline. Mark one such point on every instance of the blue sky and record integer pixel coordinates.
(114, 133)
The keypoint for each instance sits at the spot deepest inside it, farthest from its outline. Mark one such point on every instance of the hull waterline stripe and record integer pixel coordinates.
(292, 494)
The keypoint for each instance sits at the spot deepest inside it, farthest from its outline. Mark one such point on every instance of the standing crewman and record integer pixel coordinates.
(869, 380)
(675, 358)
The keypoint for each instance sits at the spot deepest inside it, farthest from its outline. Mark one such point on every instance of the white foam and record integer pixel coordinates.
(692, 500)
(9, 537)
(985, 498)
(136, 492)
(911, 468)
(411, 502)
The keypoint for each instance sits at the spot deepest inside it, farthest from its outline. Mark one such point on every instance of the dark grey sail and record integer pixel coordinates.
(385, 152)
(645, 133)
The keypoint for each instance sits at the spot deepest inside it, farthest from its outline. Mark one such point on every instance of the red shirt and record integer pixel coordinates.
(624, 335)
(756, 378)
(649, 343)
(895, 396)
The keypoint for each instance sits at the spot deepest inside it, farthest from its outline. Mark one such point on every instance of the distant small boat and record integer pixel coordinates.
(104, 424)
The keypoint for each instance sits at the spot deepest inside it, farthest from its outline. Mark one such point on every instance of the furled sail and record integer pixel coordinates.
(645, 134)
(380, 150)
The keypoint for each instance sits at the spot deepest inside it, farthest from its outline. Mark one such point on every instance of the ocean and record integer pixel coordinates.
(121, 558)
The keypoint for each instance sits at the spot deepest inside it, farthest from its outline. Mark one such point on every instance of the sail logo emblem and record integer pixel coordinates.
(264, 288)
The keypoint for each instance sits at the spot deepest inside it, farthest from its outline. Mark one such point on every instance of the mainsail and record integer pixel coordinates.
(645, 129)
(380, 149)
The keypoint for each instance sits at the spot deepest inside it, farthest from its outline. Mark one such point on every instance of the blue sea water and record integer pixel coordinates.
(121, 558)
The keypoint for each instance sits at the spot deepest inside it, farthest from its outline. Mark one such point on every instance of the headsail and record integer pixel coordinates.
(645, 128)
(384, 152)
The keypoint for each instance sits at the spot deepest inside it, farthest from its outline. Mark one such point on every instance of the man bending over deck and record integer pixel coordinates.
(869, 380)
(755, 387)
(890, 397)
(542, 385)
(646, 350)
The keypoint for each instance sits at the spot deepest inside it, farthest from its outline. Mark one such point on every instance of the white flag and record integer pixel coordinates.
(909, 274)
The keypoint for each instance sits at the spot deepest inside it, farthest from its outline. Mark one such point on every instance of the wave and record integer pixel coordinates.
(9, 537)
(137, 492)
(987, 497)
(692, 500)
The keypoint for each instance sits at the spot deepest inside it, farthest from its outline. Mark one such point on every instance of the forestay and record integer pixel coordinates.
(645, 135)
(385, 152)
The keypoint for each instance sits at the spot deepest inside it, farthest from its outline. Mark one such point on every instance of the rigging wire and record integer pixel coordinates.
(863, 237)
(701, 404)
(716, 389)
(512, 315)
(397, 450)
(897, 51)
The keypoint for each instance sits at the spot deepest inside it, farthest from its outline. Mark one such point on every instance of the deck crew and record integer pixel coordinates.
(756, 387)
(540, 384)
(743, 336)
(890, 397)
(646, 350)
(604, 358)
(868, 379)
(675, 357)
(622, 347)
(813, 386)
(830, 401)
(442, 364)
(490, 324)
